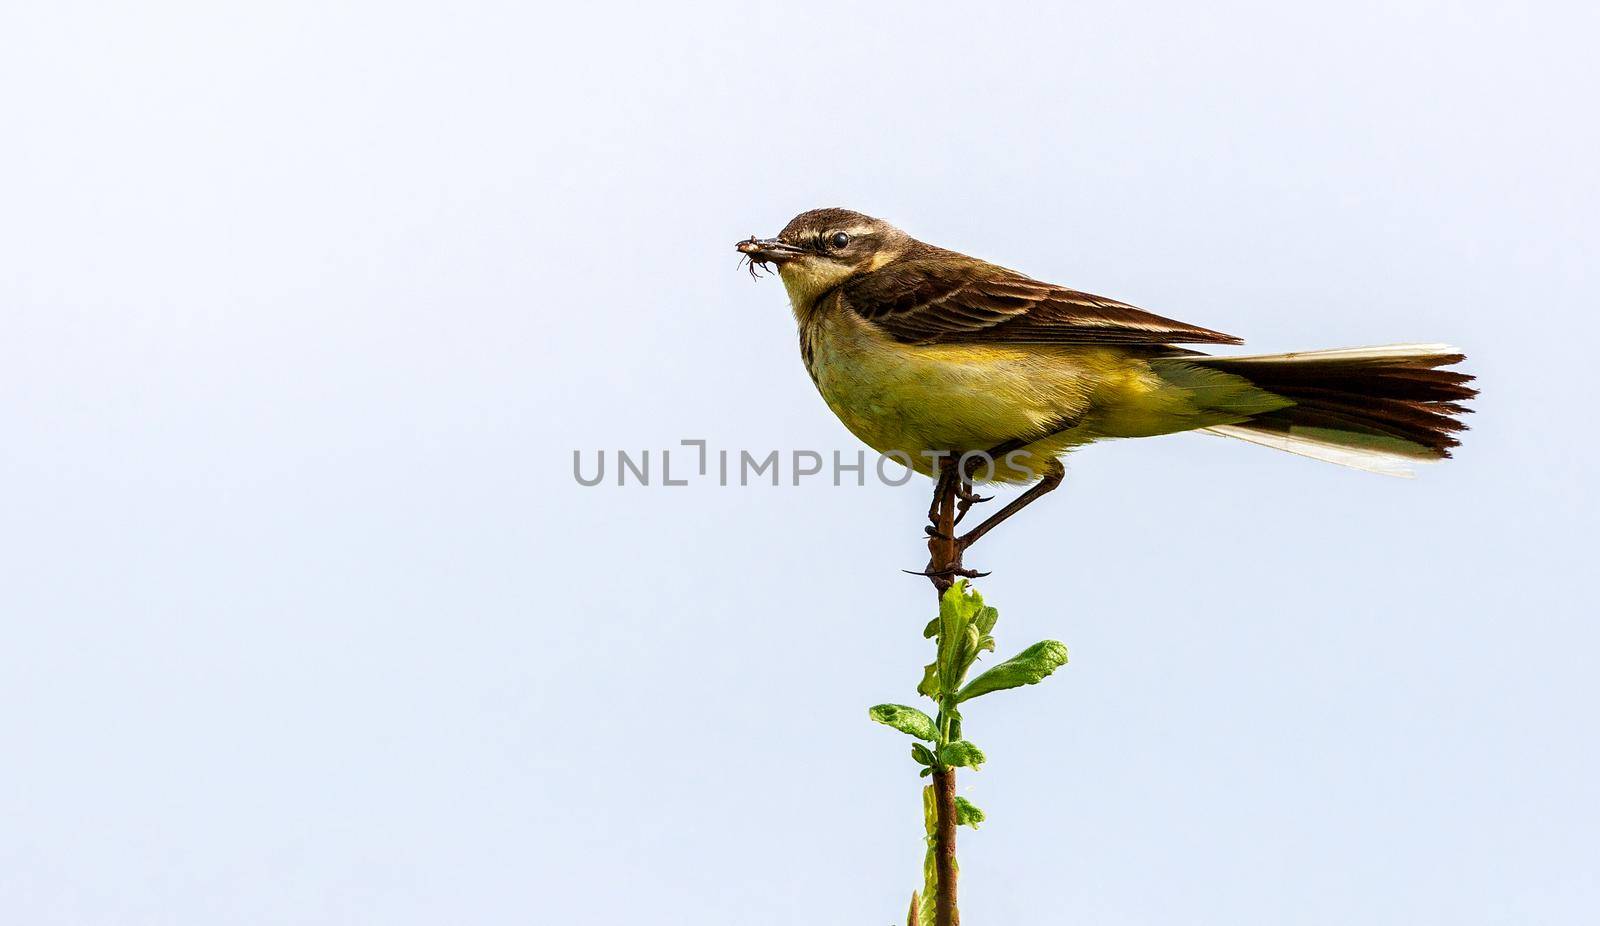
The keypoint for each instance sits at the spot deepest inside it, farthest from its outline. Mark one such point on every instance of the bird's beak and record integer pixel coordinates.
(769, 250)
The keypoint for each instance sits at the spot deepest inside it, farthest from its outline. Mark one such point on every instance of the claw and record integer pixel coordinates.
(966, 498)
(946, 573)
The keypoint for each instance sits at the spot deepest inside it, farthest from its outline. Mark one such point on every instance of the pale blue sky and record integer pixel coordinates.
(303, 618)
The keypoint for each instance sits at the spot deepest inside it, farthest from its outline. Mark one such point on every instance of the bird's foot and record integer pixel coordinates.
(946, 573)
(966, 498)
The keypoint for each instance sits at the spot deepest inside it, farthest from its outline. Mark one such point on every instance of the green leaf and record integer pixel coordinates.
(985, 619)
(967, 813)
(925, 772)
(958, 638)
(922, 754)
(930, 682)
(932, 630)
(969, 651)
(961, 754)
(1028, 667)
(906, 720)
(957, 606)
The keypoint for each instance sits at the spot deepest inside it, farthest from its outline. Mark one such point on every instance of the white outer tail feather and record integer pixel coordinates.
(1381, 462)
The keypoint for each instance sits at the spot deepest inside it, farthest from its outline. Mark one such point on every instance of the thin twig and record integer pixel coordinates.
(944, 848)
(944, 564)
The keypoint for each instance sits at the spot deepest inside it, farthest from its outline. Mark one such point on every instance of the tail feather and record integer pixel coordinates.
(1328, 451)
(1375, 408)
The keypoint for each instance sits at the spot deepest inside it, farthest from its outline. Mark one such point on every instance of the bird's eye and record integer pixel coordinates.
(839, 239)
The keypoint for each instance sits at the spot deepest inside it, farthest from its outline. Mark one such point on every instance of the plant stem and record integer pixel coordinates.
(945, 559)
(944, 848)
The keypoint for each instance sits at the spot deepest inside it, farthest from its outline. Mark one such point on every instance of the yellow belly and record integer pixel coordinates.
(913, 400)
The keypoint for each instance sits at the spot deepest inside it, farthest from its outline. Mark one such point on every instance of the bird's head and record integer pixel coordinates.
(820, 249)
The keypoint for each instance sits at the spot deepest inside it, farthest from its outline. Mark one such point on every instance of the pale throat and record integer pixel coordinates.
(806, 280)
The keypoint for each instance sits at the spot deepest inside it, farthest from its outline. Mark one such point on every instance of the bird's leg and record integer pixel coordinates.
(939, 484)
(947, 549)
(970, 462)
(1053, 474)
(945, 565)
(966, 495)
(948, 472)
(967, 467)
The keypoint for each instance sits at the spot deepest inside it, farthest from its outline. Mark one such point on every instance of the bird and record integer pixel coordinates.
(926, 354)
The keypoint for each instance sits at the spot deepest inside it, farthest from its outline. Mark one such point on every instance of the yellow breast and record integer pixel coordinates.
(916, 398)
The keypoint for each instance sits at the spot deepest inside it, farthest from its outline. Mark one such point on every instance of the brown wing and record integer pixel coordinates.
(952, 301)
